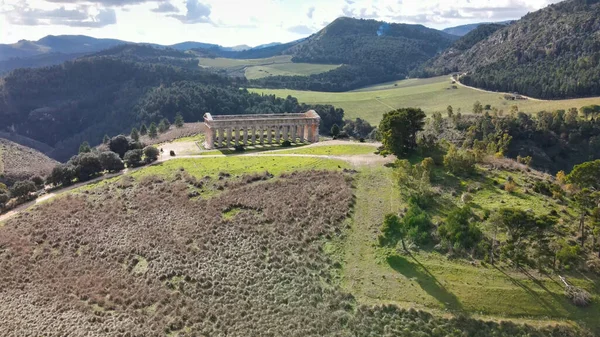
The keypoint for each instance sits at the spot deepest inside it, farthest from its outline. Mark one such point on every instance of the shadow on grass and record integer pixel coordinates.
(426, 280)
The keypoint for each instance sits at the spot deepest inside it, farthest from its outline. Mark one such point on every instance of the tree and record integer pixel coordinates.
(153, 131)
(62, 174)
(335, 131)
(133, 158)
(151, 154)
(85, 147)
(179, 120)
(110, 161)
(459, 161)
(89, 166)
(135, 135)
(163, 126)
(399, 129)
(22, 188)
(417, 223)
(392, 229)
(106, 139)
(477, 108)
(520, 225)
(143, 129)
(458, 229)
(450, 111)
(4, 198)
(37, 180)
(119, 145)
(586, 175)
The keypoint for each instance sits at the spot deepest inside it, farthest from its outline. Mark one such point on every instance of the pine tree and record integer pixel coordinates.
(143, 129)
(135, 135)
(85, 147)
(179, 120)
(106, 139)
(164, 125)
(153, 131)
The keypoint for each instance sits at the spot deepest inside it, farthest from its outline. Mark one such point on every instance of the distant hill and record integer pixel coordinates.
(18, 162)
(465, 29)
(551, 53)
(450, 60)
(371, 51)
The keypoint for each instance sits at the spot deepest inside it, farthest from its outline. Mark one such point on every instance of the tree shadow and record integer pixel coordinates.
(548, 306)
(426, 280)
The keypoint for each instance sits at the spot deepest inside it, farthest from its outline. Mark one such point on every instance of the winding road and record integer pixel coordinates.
(356, 160)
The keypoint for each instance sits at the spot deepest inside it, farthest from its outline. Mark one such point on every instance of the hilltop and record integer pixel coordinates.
(551, 53)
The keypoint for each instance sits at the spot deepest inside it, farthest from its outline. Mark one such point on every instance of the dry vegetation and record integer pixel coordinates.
(188, 129)
(19, 162)
(150, 258)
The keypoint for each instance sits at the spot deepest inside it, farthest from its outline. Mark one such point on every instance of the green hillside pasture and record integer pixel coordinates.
(272, 66)
(287, 69)
(333, 150)
(431, 95)
(429, 280)
(239, 165)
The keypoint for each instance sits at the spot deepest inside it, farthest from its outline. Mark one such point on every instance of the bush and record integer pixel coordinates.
(460, 162)
(172, 153)
(239, 148)
(133, 158)
(510, 186)
(119, 145)
(4, 197)
(417, 224)
(578, 296)
(38, 181)
(150, 154)
(286, 143)
(458, 229)
(62, 174)
(568, 254)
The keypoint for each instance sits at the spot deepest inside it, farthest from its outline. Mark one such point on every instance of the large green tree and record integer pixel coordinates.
(586, 175)
(399, 130)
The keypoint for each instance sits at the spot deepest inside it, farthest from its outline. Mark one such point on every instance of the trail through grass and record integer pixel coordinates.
(431, 95)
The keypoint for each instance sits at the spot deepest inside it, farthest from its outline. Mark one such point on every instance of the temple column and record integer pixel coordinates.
(286, 133)
(269, 134)
(236, 139)
(261, 133)
(228, 138)
(301, 133)
(309, 135)
(293, 132)
(315, 133)
(253, 136)
(277, 134)
(245, 136)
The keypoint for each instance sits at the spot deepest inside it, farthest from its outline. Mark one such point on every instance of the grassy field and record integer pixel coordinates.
(334, 150)
(272, 66)
(429, 280)
(431, 95)
(239, 165)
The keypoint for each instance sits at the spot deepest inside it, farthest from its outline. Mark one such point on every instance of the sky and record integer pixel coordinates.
(234, 22)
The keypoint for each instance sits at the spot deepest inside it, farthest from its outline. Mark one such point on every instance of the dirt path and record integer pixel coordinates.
(355, 160)
(493, 92)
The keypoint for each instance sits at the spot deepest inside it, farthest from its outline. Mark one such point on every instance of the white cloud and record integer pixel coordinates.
(233, 22)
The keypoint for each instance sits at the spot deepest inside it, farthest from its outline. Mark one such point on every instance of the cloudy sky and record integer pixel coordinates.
(234, 22)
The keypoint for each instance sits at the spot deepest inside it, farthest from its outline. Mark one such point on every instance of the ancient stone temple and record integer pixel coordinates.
(231, 130)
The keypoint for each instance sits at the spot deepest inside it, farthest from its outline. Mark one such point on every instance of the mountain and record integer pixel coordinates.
(465, 29)
(448, 61)
(552, 53)
(371, 52)
(272, 44)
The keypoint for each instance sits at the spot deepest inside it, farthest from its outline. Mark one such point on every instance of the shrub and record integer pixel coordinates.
(568, 254)
(459, 161)
(4, 197)
(37, 180)
(417, 224)
(62, 174)
(510, 186)
(286, 143)
(466, 198)
(151, 154)
(88, 166)
(578, 296)
(239, 148)
(458, 229)
(119, 145)
(133, 158)
(172, 153)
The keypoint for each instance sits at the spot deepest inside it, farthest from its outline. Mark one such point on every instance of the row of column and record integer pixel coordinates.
(262, 134)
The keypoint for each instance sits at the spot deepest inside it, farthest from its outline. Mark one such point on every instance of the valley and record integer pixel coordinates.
(431, 94)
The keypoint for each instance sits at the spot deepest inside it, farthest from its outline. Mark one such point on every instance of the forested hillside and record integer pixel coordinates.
(551, 53)
(83, 100)
(371, 51)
